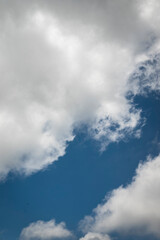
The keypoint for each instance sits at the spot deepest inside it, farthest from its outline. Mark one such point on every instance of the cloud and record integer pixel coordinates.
(133, 209)
(45, 231)
(60, 70)
(95, 236)
(147, 75)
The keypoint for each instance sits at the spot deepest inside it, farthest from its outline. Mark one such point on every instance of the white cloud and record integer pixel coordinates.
(133, 209)
(147, 75)
(57, 74)
(45, 231)
(95, 236)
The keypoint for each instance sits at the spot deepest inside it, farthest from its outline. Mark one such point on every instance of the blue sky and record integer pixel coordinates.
(73, 186)
(79, 114)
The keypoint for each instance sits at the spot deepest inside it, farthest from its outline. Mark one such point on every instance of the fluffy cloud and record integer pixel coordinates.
(133, 209)
(57, 74)
(45, 231)
(95, 236)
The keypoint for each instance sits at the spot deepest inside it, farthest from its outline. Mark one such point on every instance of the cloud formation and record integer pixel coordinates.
(147, 75)
(60, 70)
(133, 209)
(95, 236)
(45, 231)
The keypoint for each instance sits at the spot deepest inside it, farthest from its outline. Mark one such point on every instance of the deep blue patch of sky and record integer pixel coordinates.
(71, 187)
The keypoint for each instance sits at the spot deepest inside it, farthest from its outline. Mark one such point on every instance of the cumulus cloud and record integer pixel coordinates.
(45, 231)
(60, 70)
(133, 209)
(95, 236)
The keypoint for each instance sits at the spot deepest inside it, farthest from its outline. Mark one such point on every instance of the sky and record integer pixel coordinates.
(79, 120)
